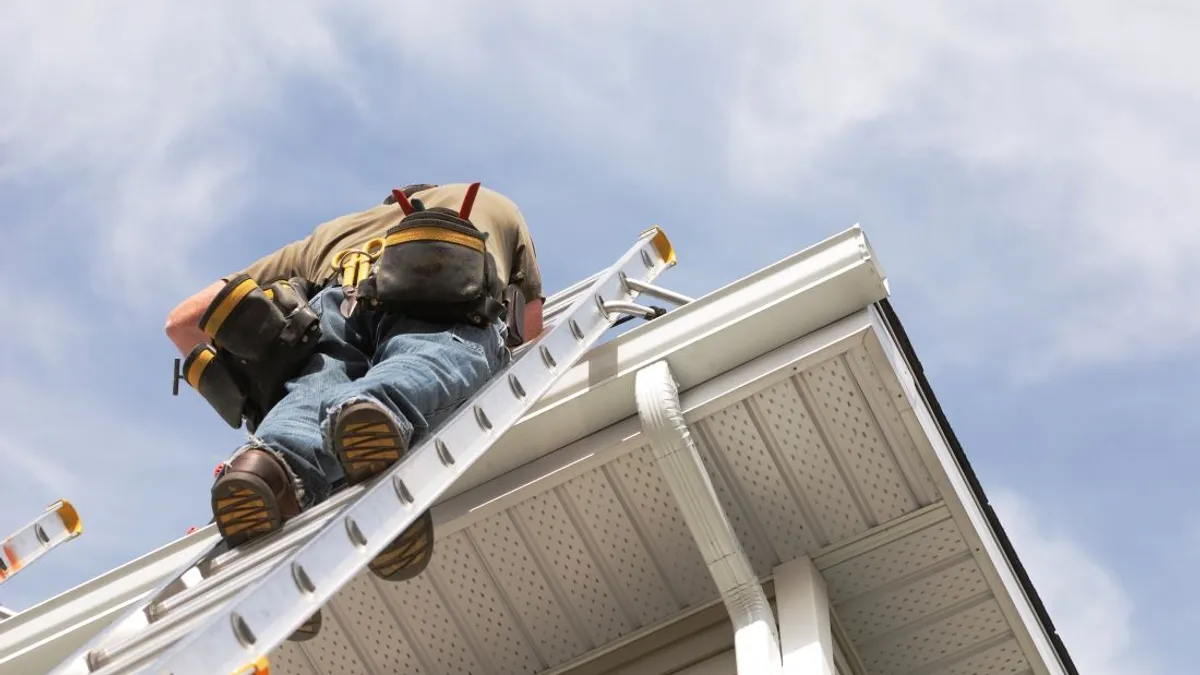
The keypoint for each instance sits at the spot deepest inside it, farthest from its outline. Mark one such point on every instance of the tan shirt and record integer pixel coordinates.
(492, 213)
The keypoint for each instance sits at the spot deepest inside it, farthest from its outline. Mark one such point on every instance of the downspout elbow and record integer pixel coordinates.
(676, 454)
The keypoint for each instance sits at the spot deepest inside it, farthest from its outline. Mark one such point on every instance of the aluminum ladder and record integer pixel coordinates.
(58, 524)
(228, 609)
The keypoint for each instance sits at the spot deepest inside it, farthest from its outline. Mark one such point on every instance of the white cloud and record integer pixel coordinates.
(48, 330)
(1088, 103)
(50, 475)
(1091, 609)
(132, 106)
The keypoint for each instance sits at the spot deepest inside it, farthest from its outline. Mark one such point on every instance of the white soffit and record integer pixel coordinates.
(574, 558)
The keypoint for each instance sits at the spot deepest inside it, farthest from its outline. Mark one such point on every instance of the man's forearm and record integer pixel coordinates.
(183, 323)
(533, 320)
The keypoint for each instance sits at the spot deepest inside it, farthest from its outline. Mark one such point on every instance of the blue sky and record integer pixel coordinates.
(1025, 172)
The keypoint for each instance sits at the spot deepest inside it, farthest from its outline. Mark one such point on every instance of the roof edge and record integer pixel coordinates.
(896, 328)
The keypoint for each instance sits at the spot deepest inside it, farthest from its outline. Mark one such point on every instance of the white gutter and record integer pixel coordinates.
(756, 638)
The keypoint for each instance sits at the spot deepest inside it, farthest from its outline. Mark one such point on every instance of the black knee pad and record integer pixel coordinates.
(217, 381)
(256, 323)
(243, 319)
(262, 338)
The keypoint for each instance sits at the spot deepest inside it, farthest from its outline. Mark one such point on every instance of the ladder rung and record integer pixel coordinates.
(658, 292)
(564, 298)
(151, 644)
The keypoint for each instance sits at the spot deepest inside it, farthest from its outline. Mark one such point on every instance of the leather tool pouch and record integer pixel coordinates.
(514, 316)
(435, 267)
(262, 339)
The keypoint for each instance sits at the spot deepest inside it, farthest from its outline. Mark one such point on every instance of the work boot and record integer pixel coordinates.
(307, 630)
(253, 497)
(367, 442)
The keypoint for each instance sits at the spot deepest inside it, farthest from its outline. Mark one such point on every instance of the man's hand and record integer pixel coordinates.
(183, 323)
(533, 319)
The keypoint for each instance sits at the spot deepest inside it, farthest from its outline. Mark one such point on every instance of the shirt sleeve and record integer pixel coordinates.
(525, 257)
(285, 263)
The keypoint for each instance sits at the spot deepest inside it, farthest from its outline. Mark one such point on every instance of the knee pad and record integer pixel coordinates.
(254, 323)
(262, 337)
(218, 382)
(243, 319)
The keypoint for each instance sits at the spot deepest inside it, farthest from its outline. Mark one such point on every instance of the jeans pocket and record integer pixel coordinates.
(463, 335)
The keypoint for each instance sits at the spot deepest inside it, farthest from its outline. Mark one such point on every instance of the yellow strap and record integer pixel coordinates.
(435, 234)
(196, 368)
(213, 326)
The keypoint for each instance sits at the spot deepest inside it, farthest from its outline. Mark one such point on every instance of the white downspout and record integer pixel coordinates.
(756, 637)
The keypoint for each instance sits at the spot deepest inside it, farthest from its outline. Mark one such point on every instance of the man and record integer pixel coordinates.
(414, 306)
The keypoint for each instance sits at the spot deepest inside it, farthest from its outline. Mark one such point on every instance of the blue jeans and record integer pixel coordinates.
(419, 371)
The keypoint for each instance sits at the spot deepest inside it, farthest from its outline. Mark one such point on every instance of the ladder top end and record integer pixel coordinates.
(70, 517)
(662, 245)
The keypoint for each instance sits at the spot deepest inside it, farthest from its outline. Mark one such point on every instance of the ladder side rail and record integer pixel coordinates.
(133, 618)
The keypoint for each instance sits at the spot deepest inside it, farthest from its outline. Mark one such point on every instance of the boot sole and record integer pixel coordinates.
(307, 630)
(408, 555)
(244, 508)
(367, 444)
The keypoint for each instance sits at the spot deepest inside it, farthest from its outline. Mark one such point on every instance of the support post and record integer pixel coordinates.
(804, 626)
(756, 639)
